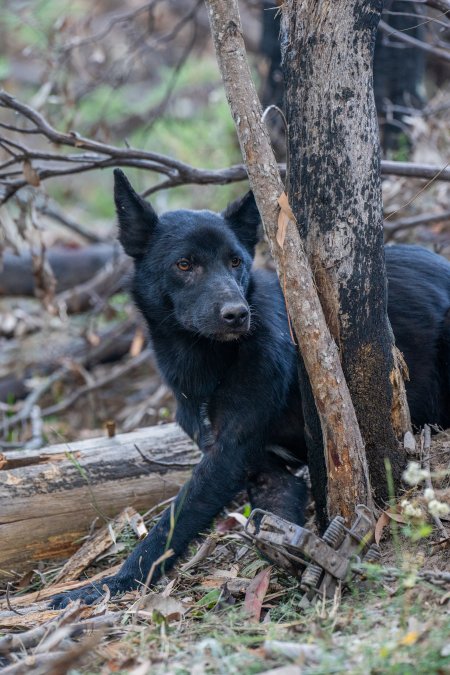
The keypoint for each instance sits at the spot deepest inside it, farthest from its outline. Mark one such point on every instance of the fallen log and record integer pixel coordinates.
(71, 266)
(49, 498)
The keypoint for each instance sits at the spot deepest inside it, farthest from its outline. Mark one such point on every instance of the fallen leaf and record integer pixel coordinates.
(233, 520)
(203, 552)
(256, 593)
(169, 608)
(284, 670)
(169, 588)
(397, 517)
(382, 521)
(293, 650)
(138, 526)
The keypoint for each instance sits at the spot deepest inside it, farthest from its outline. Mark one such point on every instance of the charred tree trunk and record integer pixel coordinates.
(334, 190)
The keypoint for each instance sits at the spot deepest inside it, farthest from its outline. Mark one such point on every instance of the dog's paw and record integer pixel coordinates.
(89, 594)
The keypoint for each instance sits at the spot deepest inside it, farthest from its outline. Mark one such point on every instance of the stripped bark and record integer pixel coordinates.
(334, 188)
(348, 481)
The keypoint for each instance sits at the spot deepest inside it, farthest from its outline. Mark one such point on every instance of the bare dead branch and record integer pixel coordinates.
(32, 400)
(108, 280)
(395, 226)
(426, 19)
(98, 155)
(114, 374)
(121, 18)
(51, 211)
(441, 5)
(412, 170)
(442, 54)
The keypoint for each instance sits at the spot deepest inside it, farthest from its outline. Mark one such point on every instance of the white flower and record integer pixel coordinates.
(429, 494)
(414, 474)
(437, 508)
(410, 510)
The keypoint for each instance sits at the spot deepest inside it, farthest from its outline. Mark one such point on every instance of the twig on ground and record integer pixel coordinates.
(8, 601)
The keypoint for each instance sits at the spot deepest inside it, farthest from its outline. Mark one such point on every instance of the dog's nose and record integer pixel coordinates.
(234, 315)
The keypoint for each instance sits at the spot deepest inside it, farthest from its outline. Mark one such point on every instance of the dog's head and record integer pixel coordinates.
(192, 268)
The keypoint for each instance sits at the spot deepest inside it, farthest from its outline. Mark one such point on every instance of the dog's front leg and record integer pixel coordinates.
(215, 481)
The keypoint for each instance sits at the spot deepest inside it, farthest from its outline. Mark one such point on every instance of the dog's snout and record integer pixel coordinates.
(234, 315)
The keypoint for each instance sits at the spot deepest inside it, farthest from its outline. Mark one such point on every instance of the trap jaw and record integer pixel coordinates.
(321, 563)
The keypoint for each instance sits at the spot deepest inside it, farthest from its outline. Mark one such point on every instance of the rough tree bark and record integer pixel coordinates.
(334, 190)
(348, 481)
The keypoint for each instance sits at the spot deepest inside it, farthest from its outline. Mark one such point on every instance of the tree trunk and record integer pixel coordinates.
(348, 482)
(334, 190)
(50, 497)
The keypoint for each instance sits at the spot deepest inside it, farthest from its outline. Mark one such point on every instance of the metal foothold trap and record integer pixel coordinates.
(321, 563)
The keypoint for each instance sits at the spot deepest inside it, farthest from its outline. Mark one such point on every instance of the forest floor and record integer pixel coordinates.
(224, 609)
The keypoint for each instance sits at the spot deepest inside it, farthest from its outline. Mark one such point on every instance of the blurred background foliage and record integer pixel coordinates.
(123, 72)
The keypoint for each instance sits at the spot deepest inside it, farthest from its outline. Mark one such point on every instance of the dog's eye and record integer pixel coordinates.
(184, 265)
(235, 261)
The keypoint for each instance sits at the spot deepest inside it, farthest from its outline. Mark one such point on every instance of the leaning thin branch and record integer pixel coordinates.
(343, 443)
(411, 15)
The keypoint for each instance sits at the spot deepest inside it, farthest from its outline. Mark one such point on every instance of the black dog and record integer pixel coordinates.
(222, 343)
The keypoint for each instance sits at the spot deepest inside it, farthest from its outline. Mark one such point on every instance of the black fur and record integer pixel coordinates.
(235, 379)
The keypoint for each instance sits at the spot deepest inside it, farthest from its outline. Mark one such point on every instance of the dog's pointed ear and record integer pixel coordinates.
(243, 217)
(136, 217)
